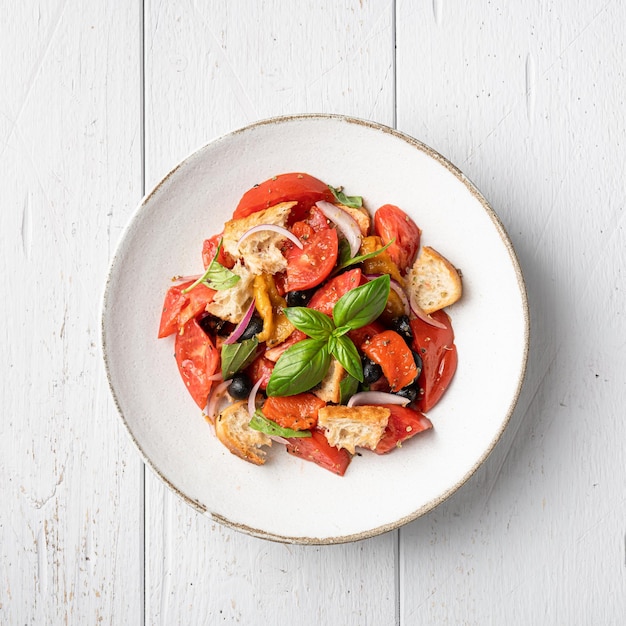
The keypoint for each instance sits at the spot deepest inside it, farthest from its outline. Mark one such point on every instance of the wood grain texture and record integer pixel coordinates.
(527, 98)
(70, 521)
(208, 72)
(528, 102)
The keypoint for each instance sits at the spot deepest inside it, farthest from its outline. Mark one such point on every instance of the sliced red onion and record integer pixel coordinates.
(184, 279)
(241, 327)
(421, 314)
(216, 377)
(345, 223)
(376, 397)
(252, 397)
(278, 439)
(217, 393)
(275, 229)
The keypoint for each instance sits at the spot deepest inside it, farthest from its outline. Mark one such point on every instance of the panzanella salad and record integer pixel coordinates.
(315, 325)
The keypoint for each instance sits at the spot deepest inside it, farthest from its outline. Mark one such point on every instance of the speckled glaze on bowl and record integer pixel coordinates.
(288, 499)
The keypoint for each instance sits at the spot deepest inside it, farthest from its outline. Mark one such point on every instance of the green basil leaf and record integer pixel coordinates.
(299, 368)
(346, 353)
(219, 277)
(311, 322)
(262, 424)
(344, 254)
(348, 386)
(345, 260)
(354, 202)
(342, 330)
(363, 304)
(236, 356)
(216, 276)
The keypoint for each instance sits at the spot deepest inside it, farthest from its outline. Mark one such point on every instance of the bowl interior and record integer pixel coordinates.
(289, 499)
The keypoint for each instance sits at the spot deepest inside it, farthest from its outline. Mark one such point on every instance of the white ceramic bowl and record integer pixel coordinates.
(289, 499)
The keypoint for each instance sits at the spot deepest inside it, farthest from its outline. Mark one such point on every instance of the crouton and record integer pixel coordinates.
(433, 281)
(360, 216)
(260, 251)
(231, 304)
(231, 428)
(349, 427)
(329, 389)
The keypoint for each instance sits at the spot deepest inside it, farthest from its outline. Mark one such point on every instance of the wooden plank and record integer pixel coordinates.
(527, 100)
(208, 71)
(70, 522)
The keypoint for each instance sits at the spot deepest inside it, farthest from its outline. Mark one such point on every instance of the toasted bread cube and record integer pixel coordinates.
(231, 304)
(261, 252)
(329, 389)
(349, 427)
(433, 281)
(231, 428)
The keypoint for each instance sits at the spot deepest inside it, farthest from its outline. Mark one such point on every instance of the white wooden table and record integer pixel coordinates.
(100, 99)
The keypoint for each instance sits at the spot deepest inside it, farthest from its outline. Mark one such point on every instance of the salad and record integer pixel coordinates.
(314, 325)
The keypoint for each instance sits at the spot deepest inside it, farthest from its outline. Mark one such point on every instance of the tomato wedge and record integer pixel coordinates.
(391, 352)
(298, 412)
(439, 357)
(296, 186)
(325, 298)
(317, 220)
(209, 248)
(391, 222)
(197, 360)
(317, 449)
(310, 266)
(260, 369)
(403, 424)
(179, 308)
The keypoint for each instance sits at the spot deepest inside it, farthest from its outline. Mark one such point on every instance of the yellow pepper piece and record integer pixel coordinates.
(381, 263)
(269, 304)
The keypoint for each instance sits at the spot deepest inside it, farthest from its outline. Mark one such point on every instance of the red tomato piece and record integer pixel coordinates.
(197, 299)
(391, 222)
(298, 412)
(317, 449)
(403, 424)
(325, 298)
(197, 360)
(299, 187)
(209, 248)
(302, 231)
(360, 335)
(317, 220)
(390, 351)
(439, 357)
(310, 266)
(260, 369)
(174, 302)
(179, 307)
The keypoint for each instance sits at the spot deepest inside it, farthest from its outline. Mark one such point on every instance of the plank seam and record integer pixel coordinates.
(142, 141)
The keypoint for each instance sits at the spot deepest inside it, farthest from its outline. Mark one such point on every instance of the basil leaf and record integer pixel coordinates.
(344, 257)
(363, 304)
(216, 276)
(311, 322)
(346, 353)
(354, 202)
(299, 368)
(348, 386)
(219, 277)
(344, 254)
(236, 356)
(262, 424)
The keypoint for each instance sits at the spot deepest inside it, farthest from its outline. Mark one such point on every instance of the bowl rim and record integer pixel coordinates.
(453, 169)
